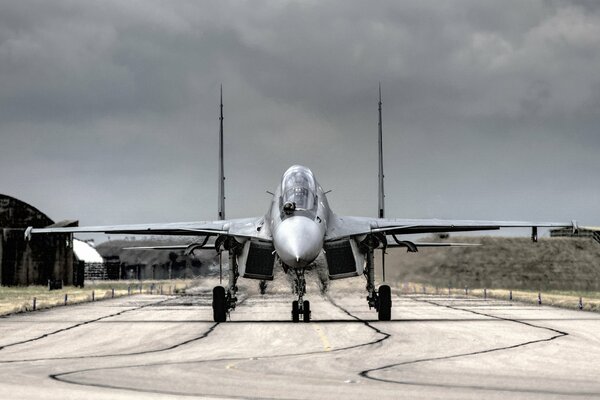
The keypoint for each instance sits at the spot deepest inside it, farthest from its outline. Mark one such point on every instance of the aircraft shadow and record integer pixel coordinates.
(320, 321)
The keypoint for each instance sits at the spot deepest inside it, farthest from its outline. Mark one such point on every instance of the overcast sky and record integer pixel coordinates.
(491, 110)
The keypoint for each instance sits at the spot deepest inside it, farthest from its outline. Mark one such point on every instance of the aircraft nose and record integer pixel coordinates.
(298, 241)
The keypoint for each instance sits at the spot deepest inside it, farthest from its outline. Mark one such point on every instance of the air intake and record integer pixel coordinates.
(340, 259)
(260, 261)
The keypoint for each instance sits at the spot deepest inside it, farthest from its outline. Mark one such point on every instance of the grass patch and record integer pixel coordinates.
(569, 264)
(21, 299)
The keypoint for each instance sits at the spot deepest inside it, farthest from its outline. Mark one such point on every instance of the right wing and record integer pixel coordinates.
(168, 247)
(188, 248)
(245, 227)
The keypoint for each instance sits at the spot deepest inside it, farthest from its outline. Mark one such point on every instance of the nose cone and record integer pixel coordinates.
(298, 241)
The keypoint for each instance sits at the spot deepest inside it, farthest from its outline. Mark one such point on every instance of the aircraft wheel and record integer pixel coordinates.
(295, 311)
(306, 311)
(384, 310)
(219, 304)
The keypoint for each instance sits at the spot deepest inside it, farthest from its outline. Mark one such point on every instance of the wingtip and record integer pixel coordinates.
(28, 233)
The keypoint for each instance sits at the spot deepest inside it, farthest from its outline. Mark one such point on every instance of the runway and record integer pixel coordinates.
(149, 346)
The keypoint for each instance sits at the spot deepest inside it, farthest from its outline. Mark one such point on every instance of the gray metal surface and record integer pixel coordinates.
(168, 347)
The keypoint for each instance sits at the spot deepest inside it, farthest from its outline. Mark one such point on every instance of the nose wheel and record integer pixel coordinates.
(300, 306)
(306, 311)
(303, 310)
(295, 311)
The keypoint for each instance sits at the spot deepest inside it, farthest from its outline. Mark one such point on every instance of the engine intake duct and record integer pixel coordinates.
(260, 261)
(341, 260)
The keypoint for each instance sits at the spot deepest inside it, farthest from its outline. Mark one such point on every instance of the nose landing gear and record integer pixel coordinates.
(304, 310)
(300, 306)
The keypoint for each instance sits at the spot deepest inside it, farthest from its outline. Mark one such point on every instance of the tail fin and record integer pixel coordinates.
(381, 213)
(221, 210)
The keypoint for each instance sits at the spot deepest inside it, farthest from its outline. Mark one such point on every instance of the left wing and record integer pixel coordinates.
(342, 227)
(408, 244)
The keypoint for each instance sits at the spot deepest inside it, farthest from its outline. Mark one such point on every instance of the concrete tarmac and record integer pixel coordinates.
(148, 346)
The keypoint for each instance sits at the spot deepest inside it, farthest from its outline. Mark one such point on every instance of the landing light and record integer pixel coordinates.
(289, 207)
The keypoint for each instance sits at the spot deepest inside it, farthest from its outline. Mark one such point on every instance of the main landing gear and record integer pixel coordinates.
(262, 286)
(219, 304)
(300, 306)
(380, 300)
(225, 301)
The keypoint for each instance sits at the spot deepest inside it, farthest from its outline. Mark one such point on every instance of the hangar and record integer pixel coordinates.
(36, 261)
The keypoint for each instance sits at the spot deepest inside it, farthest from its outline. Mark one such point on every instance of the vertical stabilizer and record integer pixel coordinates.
(381, 210)
(221, 214)
(381, 213)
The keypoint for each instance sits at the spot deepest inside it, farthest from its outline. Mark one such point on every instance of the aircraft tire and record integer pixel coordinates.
(219, 304)
(295, 311)
(306, 311)
(384, 311)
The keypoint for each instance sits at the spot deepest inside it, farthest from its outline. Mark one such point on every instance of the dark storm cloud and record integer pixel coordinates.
(108, 110)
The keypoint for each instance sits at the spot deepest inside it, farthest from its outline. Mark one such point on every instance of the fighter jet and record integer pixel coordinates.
(298, 226)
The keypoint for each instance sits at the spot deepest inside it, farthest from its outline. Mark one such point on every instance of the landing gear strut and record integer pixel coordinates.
(262, 286)
(300, 306)
(225, 301)
(381, 300)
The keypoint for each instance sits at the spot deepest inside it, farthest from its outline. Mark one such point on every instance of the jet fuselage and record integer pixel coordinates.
(298, 217)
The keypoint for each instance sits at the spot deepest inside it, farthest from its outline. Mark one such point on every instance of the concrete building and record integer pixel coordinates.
(94, 265)
(583, 231)
(33, 262)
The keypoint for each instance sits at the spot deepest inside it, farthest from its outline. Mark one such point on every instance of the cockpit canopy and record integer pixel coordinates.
(298, 188)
